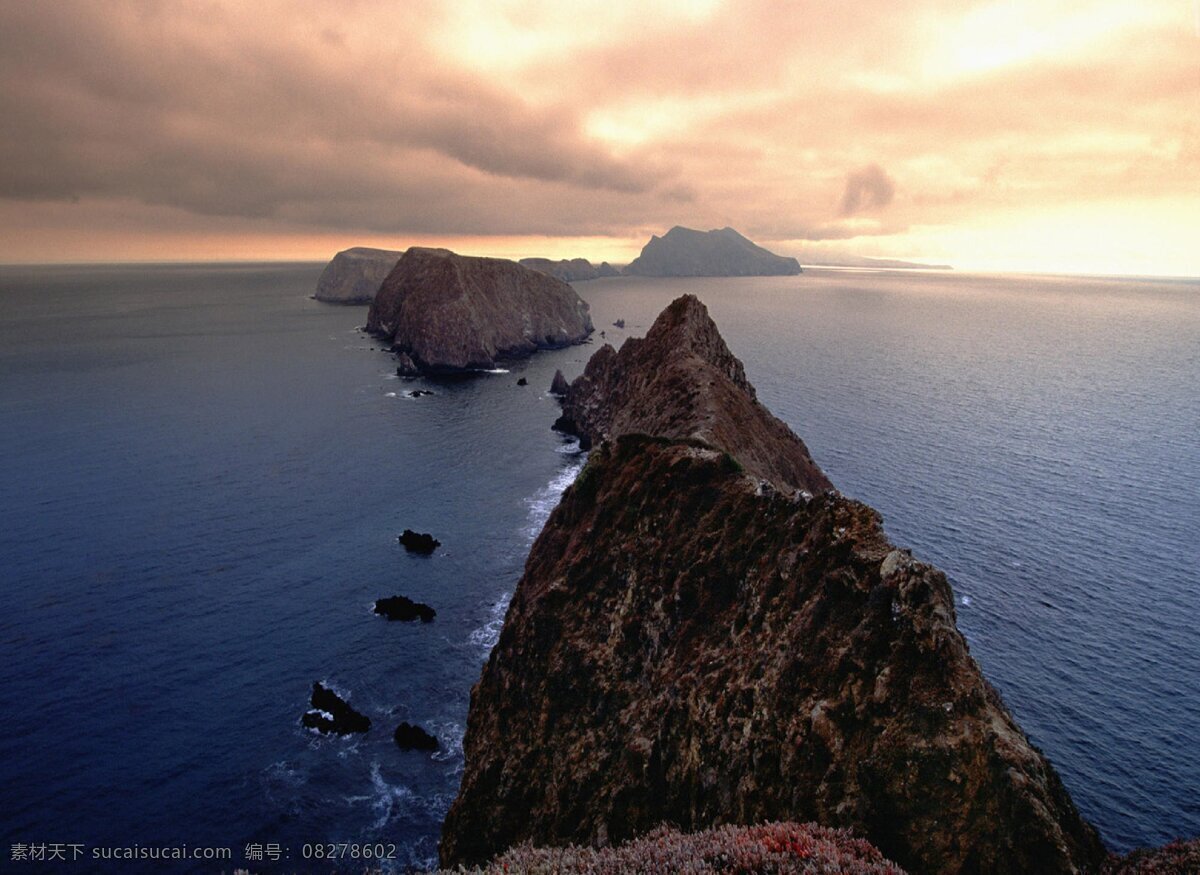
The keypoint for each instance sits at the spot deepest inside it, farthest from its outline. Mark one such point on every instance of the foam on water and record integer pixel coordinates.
(486, 636)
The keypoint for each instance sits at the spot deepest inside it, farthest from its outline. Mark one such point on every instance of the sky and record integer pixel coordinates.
(1007, 135)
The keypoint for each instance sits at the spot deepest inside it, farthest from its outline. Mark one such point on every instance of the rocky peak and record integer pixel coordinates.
(682, 381)
(720, 252)
(690, 648)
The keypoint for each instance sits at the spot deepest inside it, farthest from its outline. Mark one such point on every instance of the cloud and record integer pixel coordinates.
(538, 118)
(867, 188)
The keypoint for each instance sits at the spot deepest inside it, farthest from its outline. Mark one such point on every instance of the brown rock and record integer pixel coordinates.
(681, 381)
(687, 646)
(449, 312)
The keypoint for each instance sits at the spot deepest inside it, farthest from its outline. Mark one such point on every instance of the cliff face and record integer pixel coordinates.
(571, 270)
(355, 275)
(723, 252)
(448, 312)
(681, 381)
(688, 647)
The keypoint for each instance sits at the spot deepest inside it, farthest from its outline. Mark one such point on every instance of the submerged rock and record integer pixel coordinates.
(723, 252)
(410, 737)
(331, 713)
(689, 647)
(418, 542)
(354, 275)
(447, 313)
(399, 607)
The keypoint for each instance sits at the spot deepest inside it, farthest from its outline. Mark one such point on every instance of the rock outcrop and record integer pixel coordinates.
(404, 609)
(571, 270)
(690, 646)
(331, 713)
(559, 385)
(410, 737)
(681, 381)
(355, 275)
(418, 542)
(446, 313)
(722, 252)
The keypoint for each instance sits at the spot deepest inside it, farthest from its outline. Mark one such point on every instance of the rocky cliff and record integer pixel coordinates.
(723, 252)
(444, 312)
(571, 270)
(681, 381)
(355, 275)
(689, 646)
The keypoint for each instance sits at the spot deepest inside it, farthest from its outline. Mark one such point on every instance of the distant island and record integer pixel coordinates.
(571, 270)
(685, 252)
(864, 261)
(442, 312)
(355, 275)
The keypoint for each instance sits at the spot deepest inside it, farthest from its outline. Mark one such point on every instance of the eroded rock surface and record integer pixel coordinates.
(447, 313)
(681, 381)
(687, 646)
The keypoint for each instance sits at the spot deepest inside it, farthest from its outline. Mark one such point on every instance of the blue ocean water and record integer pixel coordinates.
(203, 473)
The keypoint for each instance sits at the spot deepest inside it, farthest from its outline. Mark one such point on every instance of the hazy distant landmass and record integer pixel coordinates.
(355, 275)
(571, 270)
(723, 252)
(863, 261)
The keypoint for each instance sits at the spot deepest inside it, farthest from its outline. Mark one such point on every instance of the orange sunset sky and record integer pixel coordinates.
(1011, 135)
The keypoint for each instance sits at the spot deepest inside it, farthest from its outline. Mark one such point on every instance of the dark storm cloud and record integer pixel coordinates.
(867, 188)
(195, 110)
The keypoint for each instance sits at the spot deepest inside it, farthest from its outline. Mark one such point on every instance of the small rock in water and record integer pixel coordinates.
(331, 713)
(419, 542)
(620, 323)
(398, 607)
(417, 393)
(410, 737)
(405, 366)
(522, 382)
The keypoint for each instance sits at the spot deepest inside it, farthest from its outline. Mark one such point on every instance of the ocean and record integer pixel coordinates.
(203, 472)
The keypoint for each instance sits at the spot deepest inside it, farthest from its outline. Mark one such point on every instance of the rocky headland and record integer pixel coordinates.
(354, 275)
(722, 252)
(447, 313)
(681, 381)
(571, 270)
(707, 634)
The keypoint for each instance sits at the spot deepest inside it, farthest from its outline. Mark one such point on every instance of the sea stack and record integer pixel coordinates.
(355, 275)
(331, 713)
(722, 252)
(706, 634)
(447, 313)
